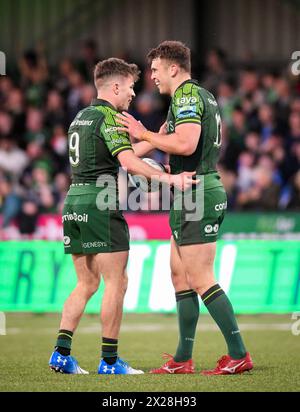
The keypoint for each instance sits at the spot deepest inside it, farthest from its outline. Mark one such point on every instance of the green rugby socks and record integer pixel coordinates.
(188, 314)
(109, 350)
(221, 310)
(64, 342)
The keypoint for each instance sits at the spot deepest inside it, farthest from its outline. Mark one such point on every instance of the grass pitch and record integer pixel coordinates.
(30, 338)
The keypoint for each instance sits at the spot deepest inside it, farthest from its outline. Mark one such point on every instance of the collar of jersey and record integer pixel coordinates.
(187, 81)
(102, 102)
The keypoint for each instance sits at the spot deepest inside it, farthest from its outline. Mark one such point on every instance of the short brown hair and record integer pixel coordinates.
(115, 67)
(174, 51)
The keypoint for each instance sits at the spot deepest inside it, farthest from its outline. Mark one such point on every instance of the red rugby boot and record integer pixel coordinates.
(175, 367)
(229, 366)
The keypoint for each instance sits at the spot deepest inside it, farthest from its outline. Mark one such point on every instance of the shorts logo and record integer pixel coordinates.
(88, 245)
(74, 216)
(211, 230)
(216, 228)
(208, 229)
(67, 241)
(176, 234)
(221, 206)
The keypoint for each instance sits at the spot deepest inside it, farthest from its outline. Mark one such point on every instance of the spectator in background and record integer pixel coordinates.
(36, 132)
(262, 195)
(59, 146)
(61, 187)
(89, 58)
(236, 133)
(54, 111)
(13, 160)
(227, 101)
(34, 77)
(6, 124)
(61, 80)
(216, 70)
(267, 121)
(245, 171)
(294, 199)
(10, 202)
(74, 96)
(16, 108)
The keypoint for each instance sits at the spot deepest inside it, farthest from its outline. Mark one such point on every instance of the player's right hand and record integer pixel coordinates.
(184, 180)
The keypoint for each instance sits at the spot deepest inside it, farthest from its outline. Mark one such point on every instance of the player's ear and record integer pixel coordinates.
(173, 70)
(116, 88)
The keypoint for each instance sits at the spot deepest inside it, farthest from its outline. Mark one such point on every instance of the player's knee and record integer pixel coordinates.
(200, 286)
(178, 280)
(90, 287)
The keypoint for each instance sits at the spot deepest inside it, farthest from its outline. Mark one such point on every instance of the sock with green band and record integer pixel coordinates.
(109, 350)
(221, 310)
(64, 342)
(188, 314)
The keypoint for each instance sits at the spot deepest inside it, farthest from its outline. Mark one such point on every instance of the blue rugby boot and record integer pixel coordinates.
(120, 367)
(65, 364)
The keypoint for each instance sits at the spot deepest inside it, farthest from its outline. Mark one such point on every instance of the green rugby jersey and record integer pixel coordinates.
(194, 104)
(94, 142)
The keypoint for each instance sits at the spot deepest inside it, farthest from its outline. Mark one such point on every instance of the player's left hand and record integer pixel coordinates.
(130, 125)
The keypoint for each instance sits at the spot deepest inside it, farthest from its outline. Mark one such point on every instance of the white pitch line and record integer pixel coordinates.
(155, 327)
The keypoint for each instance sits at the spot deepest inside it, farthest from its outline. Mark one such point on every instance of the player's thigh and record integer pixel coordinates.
(198, 262)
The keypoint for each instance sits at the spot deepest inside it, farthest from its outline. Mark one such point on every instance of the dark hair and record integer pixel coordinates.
(174, 51)
(115, 67)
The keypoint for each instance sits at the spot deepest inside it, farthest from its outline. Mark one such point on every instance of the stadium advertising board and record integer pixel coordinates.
(259, 276)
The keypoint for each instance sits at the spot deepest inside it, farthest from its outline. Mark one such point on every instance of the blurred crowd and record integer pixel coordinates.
(260, 109)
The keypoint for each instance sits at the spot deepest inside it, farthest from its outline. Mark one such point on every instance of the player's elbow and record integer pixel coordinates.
(188, 149)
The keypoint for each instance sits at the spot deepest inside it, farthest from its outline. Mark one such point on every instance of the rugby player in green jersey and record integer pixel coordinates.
(95, 233)
(192, 137)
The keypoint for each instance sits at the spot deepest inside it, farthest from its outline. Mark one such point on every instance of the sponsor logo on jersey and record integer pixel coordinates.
(77, 122)
(187, 109)
(76, 217)
(111, 129)
(221, 206)
(116, 142)
(186, 115)
(186, 100)
(213, 102)
(88, 245)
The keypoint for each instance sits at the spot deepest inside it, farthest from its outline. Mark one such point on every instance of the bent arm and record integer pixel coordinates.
(183, 142)
(136, 166)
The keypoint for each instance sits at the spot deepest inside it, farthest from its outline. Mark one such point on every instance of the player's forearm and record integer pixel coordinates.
(142, 148)
(136, 166)
(168, 143)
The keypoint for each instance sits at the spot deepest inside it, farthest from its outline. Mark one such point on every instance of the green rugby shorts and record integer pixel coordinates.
(88, 230)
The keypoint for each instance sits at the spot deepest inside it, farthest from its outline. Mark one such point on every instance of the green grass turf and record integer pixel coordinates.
(26, 348)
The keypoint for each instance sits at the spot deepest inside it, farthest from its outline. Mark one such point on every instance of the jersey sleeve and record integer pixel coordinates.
(187, 105)
(115, 141)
